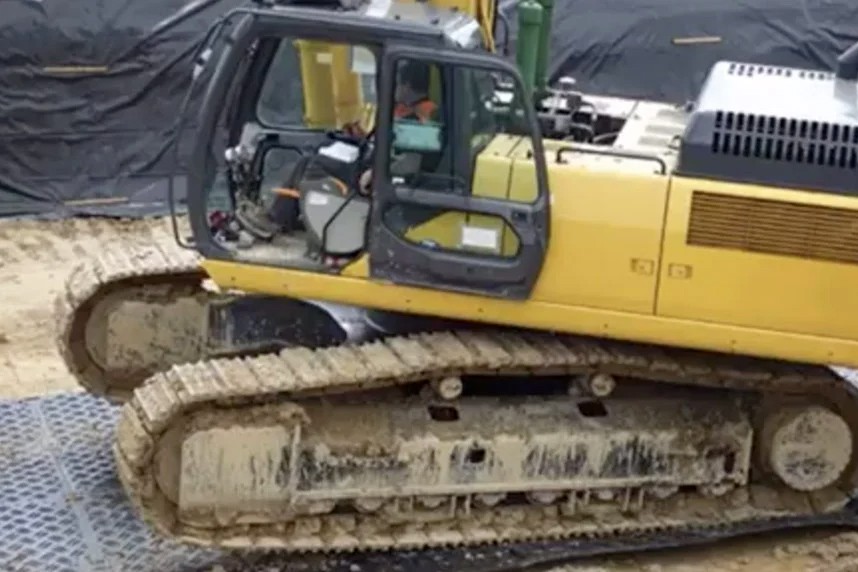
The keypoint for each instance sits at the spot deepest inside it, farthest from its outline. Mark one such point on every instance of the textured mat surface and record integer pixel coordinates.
(61, 507)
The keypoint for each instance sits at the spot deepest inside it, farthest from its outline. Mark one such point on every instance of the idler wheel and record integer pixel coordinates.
(808, 448)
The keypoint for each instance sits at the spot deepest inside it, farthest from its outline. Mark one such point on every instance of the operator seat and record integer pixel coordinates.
(334, 216)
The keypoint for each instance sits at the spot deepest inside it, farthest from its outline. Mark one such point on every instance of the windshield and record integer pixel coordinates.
(317, 85)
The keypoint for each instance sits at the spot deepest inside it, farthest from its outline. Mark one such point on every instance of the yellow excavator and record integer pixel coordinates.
(523, 313)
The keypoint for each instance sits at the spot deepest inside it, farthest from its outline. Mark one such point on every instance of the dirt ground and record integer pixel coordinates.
(36, 256)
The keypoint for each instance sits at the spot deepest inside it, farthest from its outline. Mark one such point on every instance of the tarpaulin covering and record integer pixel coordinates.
(662, 49)
(89, 93)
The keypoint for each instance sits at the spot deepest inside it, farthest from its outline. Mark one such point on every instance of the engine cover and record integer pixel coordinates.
(774, 126)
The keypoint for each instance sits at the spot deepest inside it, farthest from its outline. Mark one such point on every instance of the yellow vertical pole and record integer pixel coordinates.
(316, 78)
(347, 92)
(481, 10)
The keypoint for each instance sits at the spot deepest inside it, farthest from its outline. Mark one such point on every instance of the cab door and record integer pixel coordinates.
(470, 216)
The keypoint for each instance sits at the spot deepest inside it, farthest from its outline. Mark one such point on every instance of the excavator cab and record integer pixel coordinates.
(445, 193)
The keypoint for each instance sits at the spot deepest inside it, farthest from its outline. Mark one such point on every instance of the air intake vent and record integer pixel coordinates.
(773, 227)
(781, 139)
(751, 70)
(774, 126)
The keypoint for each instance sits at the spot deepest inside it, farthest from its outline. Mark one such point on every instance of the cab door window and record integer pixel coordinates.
(452, 133)
(418, 121)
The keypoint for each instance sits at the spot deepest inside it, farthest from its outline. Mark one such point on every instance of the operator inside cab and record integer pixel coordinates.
(412, 93)
(413, 104)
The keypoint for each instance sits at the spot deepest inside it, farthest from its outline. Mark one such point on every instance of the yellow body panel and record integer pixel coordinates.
(605, 241)
(610, 270)
(492, 179)
(358, 268)
(785, 293)
(493, 168)
(348, 96)
(333, 96)
(533, 313)
(448, 229)
(606, 231)
(317, 84)
(445, 230)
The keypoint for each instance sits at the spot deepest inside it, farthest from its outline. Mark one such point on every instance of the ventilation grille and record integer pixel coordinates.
(773, 227)
(751, 70)
(789, 140)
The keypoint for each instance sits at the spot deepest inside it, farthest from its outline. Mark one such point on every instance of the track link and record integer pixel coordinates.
(110, 360)
(239, 389)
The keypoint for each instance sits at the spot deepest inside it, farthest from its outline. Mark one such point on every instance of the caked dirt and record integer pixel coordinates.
(35, 258)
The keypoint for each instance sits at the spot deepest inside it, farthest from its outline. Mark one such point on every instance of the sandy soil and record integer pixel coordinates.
(35, 258)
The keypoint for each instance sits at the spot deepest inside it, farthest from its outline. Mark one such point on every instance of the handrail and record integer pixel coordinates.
(613, 153)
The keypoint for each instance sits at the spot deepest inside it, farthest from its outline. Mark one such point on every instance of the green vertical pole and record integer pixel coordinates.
(541, 75)
(527, 43)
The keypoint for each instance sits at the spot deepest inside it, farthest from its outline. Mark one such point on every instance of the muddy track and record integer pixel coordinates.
(159, 276)
(40, 242)
(241, 389)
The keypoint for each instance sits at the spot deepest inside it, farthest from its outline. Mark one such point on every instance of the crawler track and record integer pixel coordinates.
(110, 359)
(270, 390)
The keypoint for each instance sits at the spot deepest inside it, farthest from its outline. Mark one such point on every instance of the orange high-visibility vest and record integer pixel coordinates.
(423, 110)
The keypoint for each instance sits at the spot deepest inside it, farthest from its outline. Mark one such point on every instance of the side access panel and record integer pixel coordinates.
(759, 257)
(606, 230)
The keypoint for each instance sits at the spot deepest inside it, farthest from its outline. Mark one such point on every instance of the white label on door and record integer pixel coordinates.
(478, 237)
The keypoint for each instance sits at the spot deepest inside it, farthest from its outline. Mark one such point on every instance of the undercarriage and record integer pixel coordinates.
(357, 447)
(361, 438)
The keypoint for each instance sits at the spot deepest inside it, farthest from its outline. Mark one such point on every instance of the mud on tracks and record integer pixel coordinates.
(34, 243)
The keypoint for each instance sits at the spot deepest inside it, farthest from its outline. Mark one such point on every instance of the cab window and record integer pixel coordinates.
(418, 127)
(318, 85)
(453, 125)
(462, 130)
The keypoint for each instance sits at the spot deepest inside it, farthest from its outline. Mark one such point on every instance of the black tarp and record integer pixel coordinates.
(641, 47)
(93, 140)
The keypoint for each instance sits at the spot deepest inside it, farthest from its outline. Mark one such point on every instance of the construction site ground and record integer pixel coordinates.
(62, 509)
